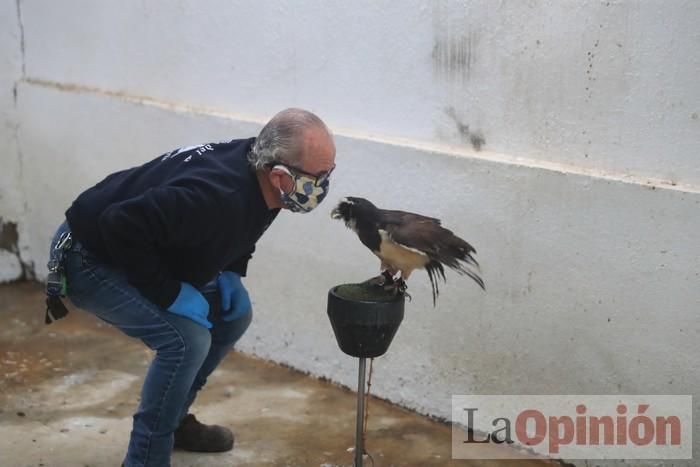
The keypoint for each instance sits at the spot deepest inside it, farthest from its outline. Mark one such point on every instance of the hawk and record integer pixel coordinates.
(404, 241)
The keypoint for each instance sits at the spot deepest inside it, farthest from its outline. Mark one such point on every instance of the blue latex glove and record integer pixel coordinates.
(191, 304)
(235, 301)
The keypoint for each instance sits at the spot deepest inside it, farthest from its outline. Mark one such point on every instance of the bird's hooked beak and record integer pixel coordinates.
(335, 213)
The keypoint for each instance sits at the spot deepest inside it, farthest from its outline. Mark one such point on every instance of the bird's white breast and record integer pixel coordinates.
(400, 256)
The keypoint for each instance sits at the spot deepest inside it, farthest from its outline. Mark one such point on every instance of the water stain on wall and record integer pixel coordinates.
(452, 56)
(9, 241)
(9, 238)
(466, 135)
(454, 43)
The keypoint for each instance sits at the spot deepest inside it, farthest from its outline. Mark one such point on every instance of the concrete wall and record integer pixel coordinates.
(558, 137)
(11, 202)
(605, 85)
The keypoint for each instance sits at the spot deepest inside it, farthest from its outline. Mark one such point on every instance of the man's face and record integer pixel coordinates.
(312, 170)
(318, 156)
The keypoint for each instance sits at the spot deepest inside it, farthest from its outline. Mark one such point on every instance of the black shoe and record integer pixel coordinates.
(192, 435)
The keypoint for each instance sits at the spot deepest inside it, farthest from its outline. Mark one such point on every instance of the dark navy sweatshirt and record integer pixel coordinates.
(182, 217)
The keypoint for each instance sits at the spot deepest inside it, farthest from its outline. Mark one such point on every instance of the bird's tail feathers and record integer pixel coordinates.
(470, 269)
(456, 254)
(435, 271)
(459, 258)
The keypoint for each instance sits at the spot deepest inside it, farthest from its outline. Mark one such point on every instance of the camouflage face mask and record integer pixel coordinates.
(308, 192)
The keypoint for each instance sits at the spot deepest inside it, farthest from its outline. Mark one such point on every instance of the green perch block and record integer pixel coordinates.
(365, 292)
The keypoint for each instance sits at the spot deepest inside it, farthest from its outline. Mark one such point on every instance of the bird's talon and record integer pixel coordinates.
(401, 285)
(388, 278)
(400, 288)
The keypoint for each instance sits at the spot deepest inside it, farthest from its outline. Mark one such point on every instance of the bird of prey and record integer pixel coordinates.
(405, 241)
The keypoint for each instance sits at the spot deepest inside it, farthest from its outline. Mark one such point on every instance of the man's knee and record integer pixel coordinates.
(231, 331)
(191, 344)
(197, 343)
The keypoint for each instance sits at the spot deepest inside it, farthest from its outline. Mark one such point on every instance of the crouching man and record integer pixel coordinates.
(158, 251)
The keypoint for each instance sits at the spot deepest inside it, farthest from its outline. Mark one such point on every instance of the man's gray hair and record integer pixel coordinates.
(281, 138)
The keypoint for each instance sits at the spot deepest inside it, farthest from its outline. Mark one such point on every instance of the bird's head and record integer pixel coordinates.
(350, 209)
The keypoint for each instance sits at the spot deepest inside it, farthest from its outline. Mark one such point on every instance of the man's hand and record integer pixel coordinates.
(235, 301)
(191, 304)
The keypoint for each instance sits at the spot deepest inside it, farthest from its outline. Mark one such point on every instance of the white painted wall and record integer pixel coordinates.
(592, 272)
(605, 85)
(11, 203)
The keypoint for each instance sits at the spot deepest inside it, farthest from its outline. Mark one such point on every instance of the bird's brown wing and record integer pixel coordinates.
(427, 235)
(441, 245)
(400, 217)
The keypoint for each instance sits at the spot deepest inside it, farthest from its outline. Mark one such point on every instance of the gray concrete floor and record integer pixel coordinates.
(67, 392)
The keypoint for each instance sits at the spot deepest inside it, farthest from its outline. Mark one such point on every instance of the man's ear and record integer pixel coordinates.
(280, 180)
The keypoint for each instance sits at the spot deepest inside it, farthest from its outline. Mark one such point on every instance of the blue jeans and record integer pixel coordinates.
(186, 352)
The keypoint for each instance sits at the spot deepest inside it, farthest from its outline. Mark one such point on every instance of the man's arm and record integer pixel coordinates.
(240, 264)
(132, 230)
